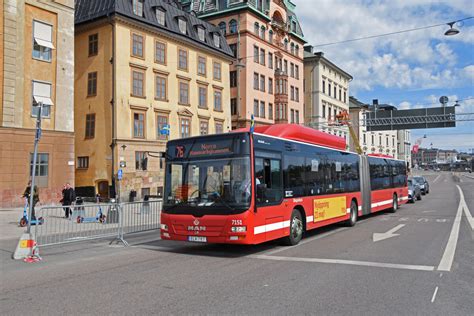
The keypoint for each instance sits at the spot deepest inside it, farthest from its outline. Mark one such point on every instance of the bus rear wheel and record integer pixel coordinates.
(394, 204)
(353, 215)
(296, 229)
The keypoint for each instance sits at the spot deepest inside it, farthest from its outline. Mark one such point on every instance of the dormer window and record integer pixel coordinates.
(182, 25)
(160, 16)
(293, 26)
(217, 40)
(201, 33)
(137, 7)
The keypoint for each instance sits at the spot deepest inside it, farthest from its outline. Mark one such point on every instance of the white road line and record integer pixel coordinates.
(305, 241)
(434, 295)
(467, 212)
(436, 179)
(347, 262)
(448, 256)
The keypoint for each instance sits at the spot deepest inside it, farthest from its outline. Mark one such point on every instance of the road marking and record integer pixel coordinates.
(448, 255)
(389, 234)
(429, 211)
(347, 262)
(434, 295)
(305, 241)
(436, 179)
(467, 212)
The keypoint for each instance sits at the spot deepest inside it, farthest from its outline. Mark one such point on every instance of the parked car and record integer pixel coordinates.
(414, 192)
(423, 183)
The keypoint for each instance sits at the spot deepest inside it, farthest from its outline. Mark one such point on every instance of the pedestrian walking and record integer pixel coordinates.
(26, 195)
(69, 196)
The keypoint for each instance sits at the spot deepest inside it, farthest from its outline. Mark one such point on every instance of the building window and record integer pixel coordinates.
(137, 45)
(345, 100)
(262, 32)
(262, 57)
(270, 60)
(329, 89)
(183, 59)
(270, 36)
(335, 90)
(138, 7)
(91, 84)
(297, 116)
(217, 40)
(160, 52)
(270, 85)
(292, 70)
(255, 108)
(297, 72)
(183, 93)
(262, 83)
(233, 106)
(201, 33)
(182, 25)
(233, 48)
(292, 48)
(138, 78)
(185, 127)
(255, 54)
(160, 17)
(141, 160)
(82, 162)
(160, 88)
(217, 100)
(292, 93)
(340, 94)
(233, 26)
(202, 66)
(297, 50)
(161, 123)
(335, 113)
(364, 138)
(324, 86)
(233, 79)
(42, 41)
(255, 81)
(324, 111)
(90, 126)
(219, 128)
(41, 93)
(217, 71)
(138, 125)
(292, 116)
(202, 97)
(204, 127)
(262, 109)
(297, 94)
(293, 26)
(286, 44)
(42, 168)
(256, 28)
(93, 44)
(270, 111)
(285, 66)
(223, 28)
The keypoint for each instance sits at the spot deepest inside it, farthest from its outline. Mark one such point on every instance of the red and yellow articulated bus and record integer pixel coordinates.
(281, 180)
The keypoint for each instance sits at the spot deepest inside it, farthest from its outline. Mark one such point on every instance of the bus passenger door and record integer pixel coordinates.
(269, 195)
(365, 185)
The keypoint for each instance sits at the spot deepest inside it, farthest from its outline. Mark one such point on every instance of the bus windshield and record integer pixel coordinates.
(208, 186)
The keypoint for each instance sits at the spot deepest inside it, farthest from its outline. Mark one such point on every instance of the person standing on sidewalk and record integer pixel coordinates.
(68, 197)
(26, 195)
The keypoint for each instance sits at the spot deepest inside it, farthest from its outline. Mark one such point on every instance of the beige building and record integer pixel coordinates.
(36, 41)
(267, 39)
(142, 68)
(380, 142)
(404, 145)
(326, 92)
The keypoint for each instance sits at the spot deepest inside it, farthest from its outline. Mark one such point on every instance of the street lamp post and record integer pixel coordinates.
(33, 171)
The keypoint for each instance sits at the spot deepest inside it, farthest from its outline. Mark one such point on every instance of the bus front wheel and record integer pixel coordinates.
(296, 229)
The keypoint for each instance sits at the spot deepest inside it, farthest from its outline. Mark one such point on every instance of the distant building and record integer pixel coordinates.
(430, 157)
(36, 65)
(326, 92)
(143, 68)
(380, 142)
(267, 39)
(404, 145)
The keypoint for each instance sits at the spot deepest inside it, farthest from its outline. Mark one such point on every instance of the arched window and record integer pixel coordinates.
(297, 50)
(233, 26)
(262, 32)
(256, 28)
(292, 48)
(222, 27)
(270, 36)
(286, 44)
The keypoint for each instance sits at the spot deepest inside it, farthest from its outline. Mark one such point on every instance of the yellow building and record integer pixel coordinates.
(141, 66)
(36, 64)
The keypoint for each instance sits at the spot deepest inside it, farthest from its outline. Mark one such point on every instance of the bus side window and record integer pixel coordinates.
(268, 180)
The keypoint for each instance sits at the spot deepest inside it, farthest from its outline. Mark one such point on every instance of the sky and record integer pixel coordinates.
(408, 70)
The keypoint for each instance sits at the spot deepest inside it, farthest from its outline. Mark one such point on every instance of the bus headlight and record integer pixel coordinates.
(238, 229)
(164, 227)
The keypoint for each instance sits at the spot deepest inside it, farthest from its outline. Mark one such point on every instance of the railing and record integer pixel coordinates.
(61, 225)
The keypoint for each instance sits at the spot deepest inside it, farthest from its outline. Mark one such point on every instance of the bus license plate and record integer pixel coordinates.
(197, 239)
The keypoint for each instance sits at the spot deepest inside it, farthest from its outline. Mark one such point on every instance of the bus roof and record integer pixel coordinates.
(301, 134)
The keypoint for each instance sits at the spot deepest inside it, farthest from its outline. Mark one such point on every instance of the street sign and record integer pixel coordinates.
(120, 174)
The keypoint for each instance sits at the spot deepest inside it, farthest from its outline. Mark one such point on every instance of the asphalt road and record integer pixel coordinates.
(426, 269)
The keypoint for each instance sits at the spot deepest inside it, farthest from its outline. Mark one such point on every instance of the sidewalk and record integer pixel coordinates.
(9, 223)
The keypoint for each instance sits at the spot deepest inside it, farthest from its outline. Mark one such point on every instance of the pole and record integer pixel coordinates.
(33, 171)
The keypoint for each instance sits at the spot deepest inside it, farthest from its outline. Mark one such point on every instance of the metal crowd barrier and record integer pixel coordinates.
(95, 221)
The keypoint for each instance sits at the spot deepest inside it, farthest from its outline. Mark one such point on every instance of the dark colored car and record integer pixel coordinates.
(414, 192)
(423, 183)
